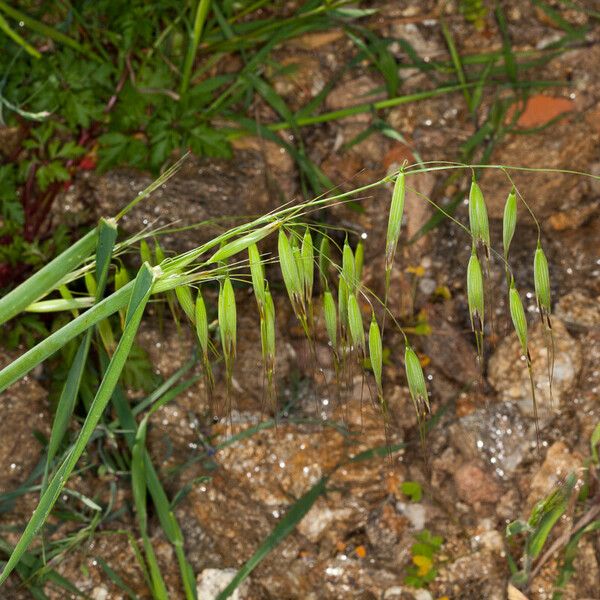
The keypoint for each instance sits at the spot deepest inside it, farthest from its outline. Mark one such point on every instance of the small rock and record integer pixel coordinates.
(385, 526)
(473, 576)
(509, 376)
(211, 582)
(319, 518)
(559, 463)
(541, 109)
(345, 94)
(492, 541)
(427, 286)
(579, 310)
(474, 485)
(415, 513)
(488, 538)
(99, 593)
(498, 433)
(572, 218)
(394, 593)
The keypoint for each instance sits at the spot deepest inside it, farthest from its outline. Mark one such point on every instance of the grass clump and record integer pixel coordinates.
(234, 256)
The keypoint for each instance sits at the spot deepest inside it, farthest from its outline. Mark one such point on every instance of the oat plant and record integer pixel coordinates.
(237, 257)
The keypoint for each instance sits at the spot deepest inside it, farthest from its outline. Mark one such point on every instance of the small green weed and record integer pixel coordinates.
(423, 554)
(575, 498)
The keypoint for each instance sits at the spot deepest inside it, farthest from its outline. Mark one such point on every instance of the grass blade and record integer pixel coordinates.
(42, 282)
(200, 19)
(138, 485)
(137, 304)
(66, 403)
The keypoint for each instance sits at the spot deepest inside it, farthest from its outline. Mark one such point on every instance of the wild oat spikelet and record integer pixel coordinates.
(541, 279)
(416, 382)
(478, 217)
(258, 276)
(184, 297)
(376, 353)
(355, 323)
(394, 221)
(324, 262)
(329, 312)
(475, 297)
(509, 222)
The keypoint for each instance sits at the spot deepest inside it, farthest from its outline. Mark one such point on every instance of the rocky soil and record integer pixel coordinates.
(481, 467)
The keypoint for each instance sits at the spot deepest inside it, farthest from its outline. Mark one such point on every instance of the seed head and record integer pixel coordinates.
(201, 323)
(343, 305)
(541, 278)
(359, 261)
(376, 352)
(258, 276)
(227, 315)
(145, 253)
(289, 269)
(394, 220)
(357, 333)
(324, 262)
(268, 332)
(158, 252)
(475, 292)
(184, 297)
(478, 217)
(517, 314)
(509, 222)
(121, 277)
(416, 381)
(308, 264)
(349, 268)
(330, 318)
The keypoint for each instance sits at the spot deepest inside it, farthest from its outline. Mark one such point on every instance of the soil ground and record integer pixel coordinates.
(480, 468)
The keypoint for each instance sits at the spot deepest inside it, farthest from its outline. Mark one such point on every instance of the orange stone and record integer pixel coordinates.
(541, 109)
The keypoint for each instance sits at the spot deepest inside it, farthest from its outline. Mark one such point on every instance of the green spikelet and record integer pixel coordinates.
(330, 314)
(478, 217)
(145, 253)
(393, 234)
(475, 297)
(349, 268)
(324, 262)
(517, 313)
(184, 297)
(258, 277)
(416, 385)
(509, 222)
(343, 308)
(308, 265)
(159, 254)
(201, 321)
(227, 315)
(394, 222)
(267, 336)
(541, 277)
(359, 261)
(376, 355)
(289, 270)
(357, 332)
